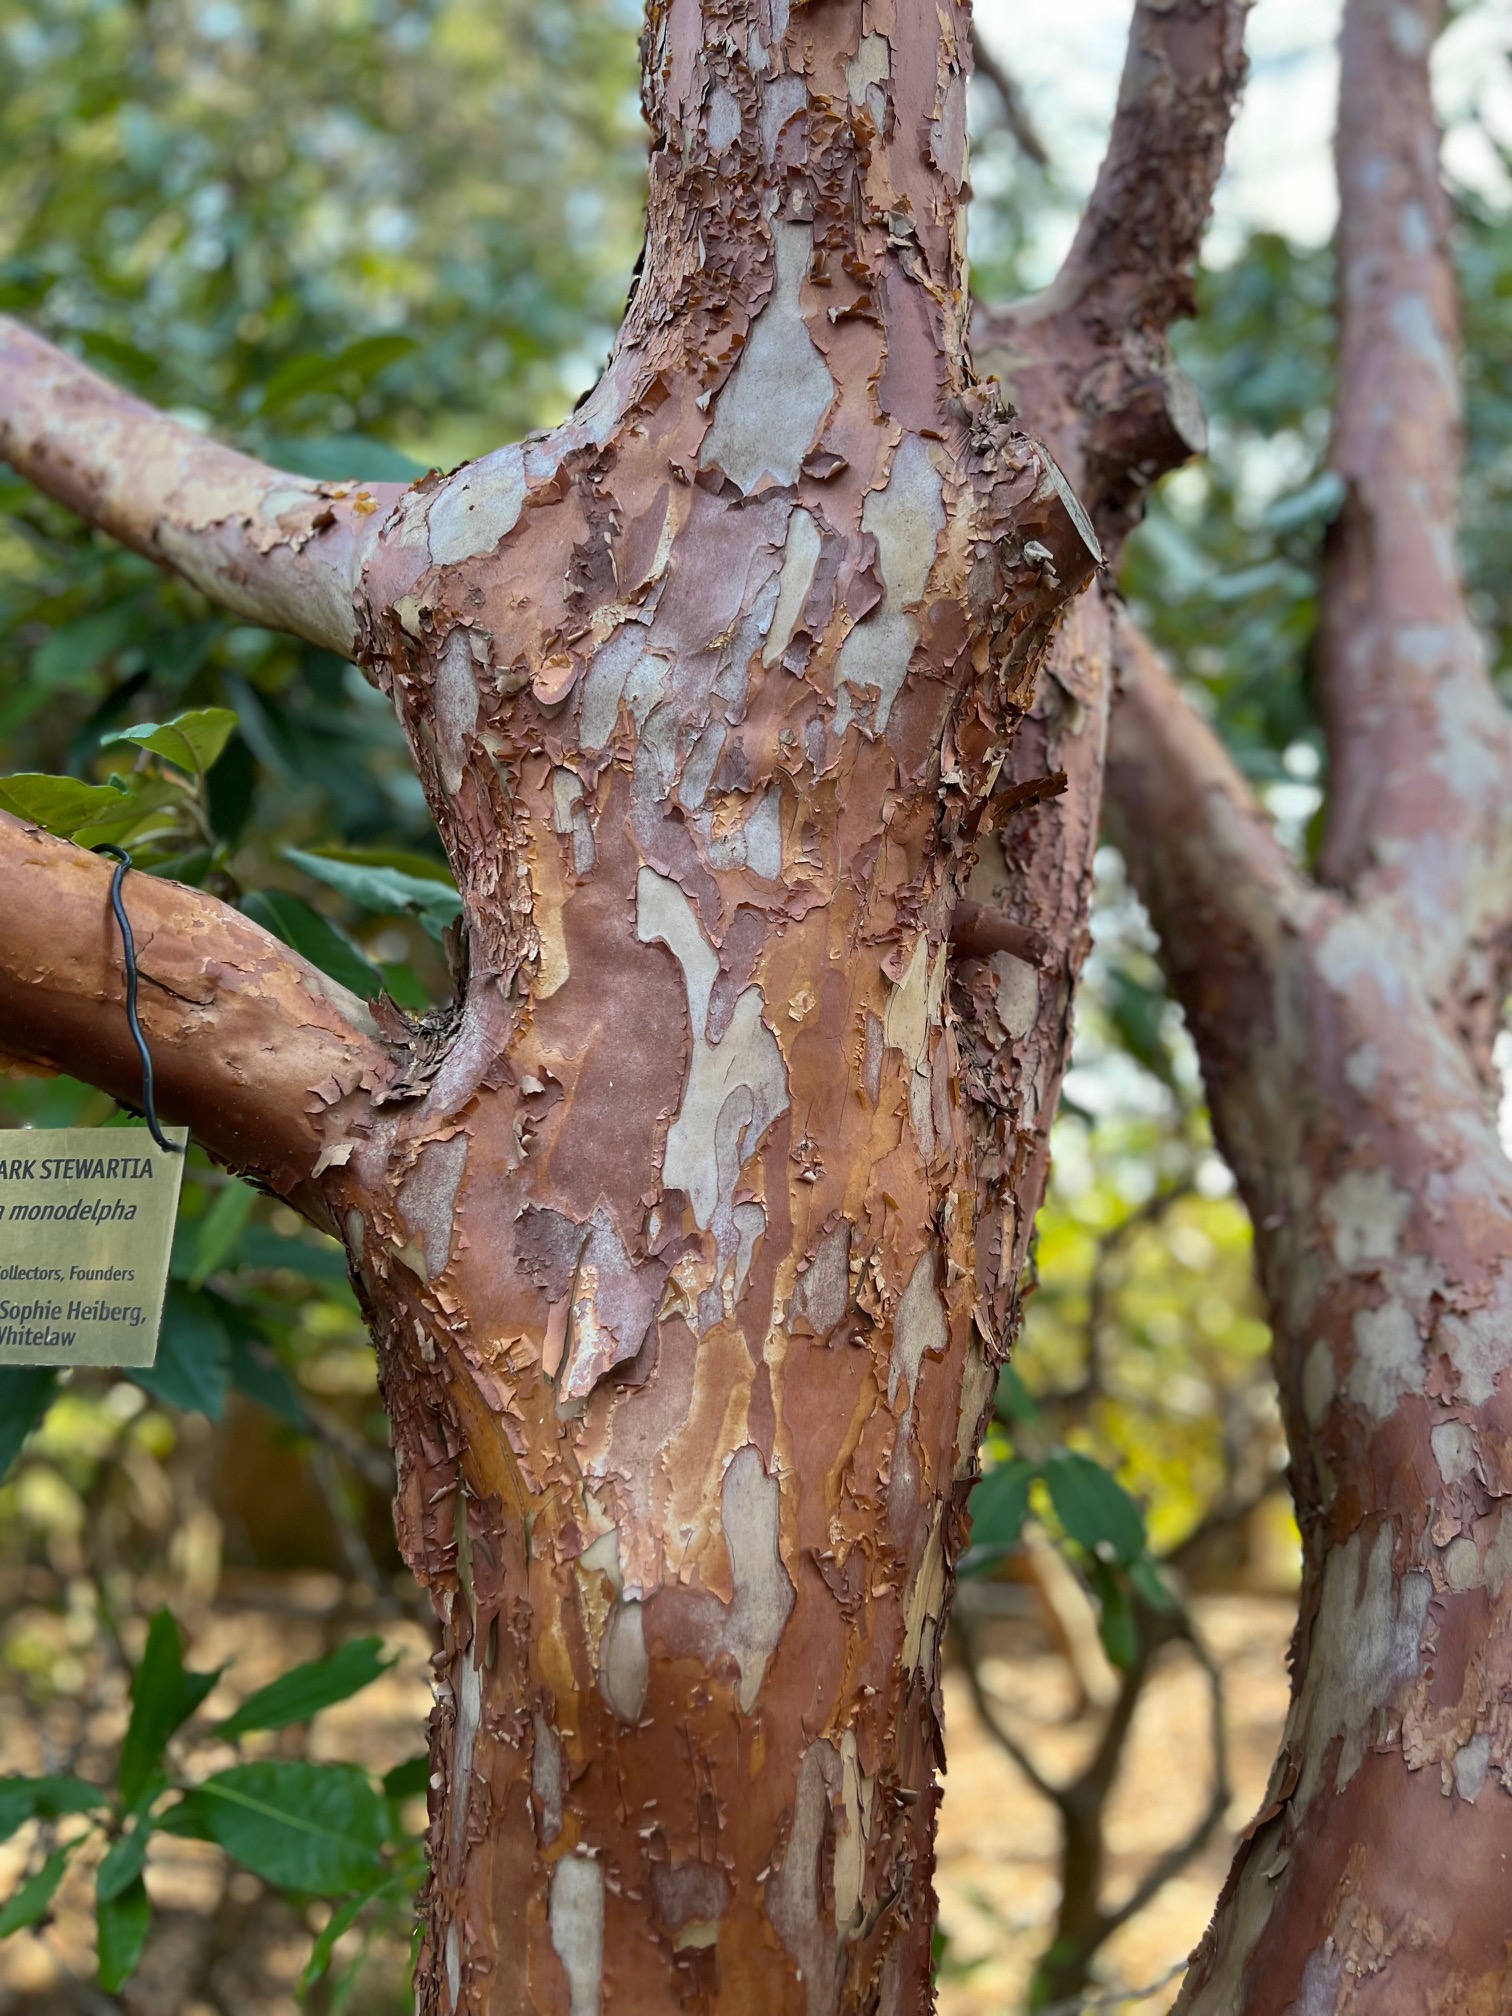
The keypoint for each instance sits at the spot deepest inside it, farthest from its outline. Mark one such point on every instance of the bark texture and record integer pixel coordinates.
(1088, 367)
(1344, 1029)
(266, 1058)
(669, 1232)
(279, 548)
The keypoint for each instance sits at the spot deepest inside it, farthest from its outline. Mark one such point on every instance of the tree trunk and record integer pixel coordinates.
(673, 1263)
(690, 1237)
(1345, 1031)
(668, 1234)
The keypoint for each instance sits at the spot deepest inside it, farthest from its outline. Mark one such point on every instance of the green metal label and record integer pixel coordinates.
(86, 1227)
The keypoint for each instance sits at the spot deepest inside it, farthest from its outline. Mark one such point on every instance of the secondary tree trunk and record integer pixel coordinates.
(1345, 1028)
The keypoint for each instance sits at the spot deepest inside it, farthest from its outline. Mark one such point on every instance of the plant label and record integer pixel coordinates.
(86, 1228)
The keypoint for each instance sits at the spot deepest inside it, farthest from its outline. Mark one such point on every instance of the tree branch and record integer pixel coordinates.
(1221, 891)
(1130, 264)
(260, 1054)
(1088, 360)
(1176, 1857)
(1016, 114)
(281, 549)
(1421, 750)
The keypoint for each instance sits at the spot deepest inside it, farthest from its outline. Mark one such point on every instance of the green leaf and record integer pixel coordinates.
(299, 924)
(121, 1923)
(424, 867)
(1151, 1584)
(409, 1780)
(356, 364)
(60, 805)
(1000, 1503)
(256, 1372)
(193, 1368)
(1093, 1506)
(26, 1393)
(136, 812)
(23, 1799)
(189, 741)
(32, 1901)
(163, 1696)
(342, 1920)
(124, 1862)
(220, 1229)
(343, 458)
(304, 1690)
(387, 892)
(70, 656)
(317, 1828)
(1117, 1622)
(1014, 1400)
(318, 1258)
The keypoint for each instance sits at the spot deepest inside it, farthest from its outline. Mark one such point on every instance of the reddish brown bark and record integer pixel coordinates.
(276, 547)
(268, 1060)
(670, 1239)
(1343, 1034)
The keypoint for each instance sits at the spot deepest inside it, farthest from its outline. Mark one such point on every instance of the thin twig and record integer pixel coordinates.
(1016, 114)
(1110, 1998)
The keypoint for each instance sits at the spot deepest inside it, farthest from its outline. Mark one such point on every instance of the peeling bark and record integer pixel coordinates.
(709, 690)
(1344, 1034)
(669, 1236)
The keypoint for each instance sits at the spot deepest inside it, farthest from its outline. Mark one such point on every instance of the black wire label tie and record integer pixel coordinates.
(86, 1222)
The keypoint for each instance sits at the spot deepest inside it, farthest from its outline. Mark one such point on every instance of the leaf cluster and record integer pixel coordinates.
(308, 1830)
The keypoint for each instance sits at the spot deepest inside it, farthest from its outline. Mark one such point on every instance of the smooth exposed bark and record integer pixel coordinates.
(279, 548)
(669, 1237)
(1419, 805)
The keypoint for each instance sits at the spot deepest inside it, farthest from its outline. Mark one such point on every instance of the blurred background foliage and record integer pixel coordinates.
(366, 237)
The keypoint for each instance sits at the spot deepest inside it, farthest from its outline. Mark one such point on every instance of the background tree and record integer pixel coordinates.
(1346, 1025)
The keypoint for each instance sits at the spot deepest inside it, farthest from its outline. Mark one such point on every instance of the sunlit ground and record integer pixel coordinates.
(225, 1947)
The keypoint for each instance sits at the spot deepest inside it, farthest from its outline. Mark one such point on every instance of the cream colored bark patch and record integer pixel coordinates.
(456, 706)
(769, 412)
(764, 1597)
(1016, 993)
(1366, 1645)
(919, 1328)
(612, 1306)
(1319, 1381)
(926, 1606)
(474, 509)
(800, 557)
(619, 664)
(821, 1294)
(735, 1088)
(1388, 1358)
(1453, 1451)
(906, 519)
(976, 1389)
(871, 64)
(624, 1668)
(577, 1930)
(795, 1894)
(428, 1198)
(547, 1780)
(1477, 1345)
(1367, 1213)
